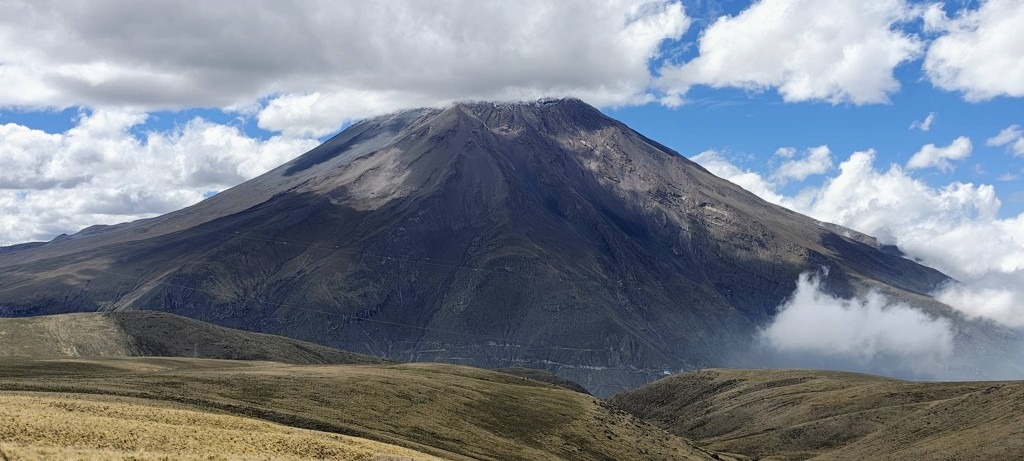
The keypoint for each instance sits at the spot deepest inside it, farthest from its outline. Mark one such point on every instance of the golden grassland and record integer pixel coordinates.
(80, 427)
(449, 411)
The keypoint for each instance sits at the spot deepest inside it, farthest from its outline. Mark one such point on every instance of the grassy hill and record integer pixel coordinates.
(154, 334)
(800, 414)
(449, 411)
(543, 376)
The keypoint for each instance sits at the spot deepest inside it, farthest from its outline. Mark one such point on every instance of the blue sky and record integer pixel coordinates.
(750, 127)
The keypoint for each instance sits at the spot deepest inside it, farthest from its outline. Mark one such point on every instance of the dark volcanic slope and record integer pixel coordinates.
(540, 235)
(803, 414)
(155, 334)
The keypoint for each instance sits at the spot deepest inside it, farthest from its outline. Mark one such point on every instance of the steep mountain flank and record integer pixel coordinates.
(542, 235)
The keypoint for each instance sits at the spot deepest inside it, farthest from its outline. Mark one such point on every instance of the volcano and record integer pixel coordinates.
(542, 235)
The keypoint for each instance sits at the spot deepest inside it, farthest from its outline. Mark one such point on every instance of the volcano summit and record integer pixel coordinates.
(542, 235)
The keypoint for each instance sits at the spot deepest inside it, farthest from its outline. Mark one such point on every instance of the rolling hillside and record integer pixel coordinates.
(154, 334)
(448, 411)
(801, 414)
(543, 376)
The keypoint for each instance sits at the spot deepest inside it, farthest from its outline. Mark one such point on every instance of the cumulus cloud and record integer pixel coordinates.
(318, 114)
(718, 165)
(862, 330)
(98, 172)
(817, 161)
(980, 52)
(932, 156)
(786, 152)
(955, 228)
(996, 296)
(1011, 137)
(923, 125)
(322, 62)
(839, 51)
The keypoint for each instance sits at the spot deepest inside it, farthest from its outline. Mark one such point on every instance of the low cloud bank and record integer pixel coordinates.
(870, 333)
(996, 296)
(873, 334)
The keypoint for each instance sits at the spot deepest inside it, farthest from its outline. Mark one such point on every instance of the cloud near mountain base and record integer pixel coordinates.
(955, 228)
(868, 333)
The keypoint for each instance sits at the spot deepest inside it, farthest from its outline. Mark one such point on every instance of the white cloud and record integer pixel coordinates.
(809, 50)
(786, 152)
(317, 114)
(1011, 137)
(996, 296)
(817, 161)
(955, 228)
(981, 53)
(99, 173)
(932, 156)
(719, 166)
(323, 62)
(1006, 136)
(938, 225)
(862, 329)
(934, 18)
(923, 125)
